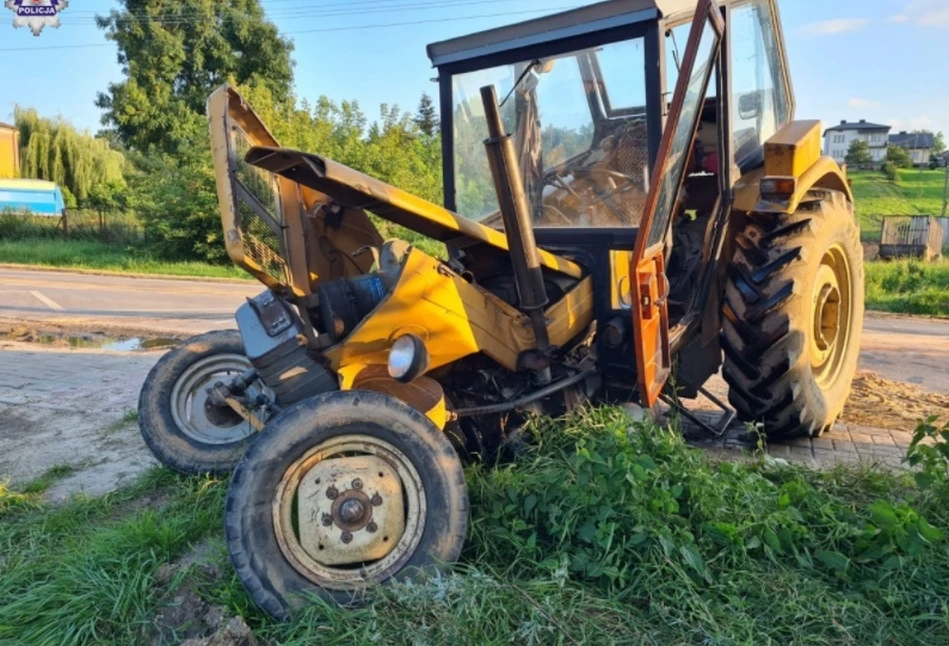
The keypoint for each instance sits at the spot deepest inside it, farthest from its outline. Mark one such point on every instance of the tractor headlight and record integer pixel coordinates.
(408, 358)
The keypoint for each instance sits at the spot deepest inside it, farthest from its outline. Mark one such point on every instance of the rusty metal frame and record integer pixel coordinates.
(707, 13)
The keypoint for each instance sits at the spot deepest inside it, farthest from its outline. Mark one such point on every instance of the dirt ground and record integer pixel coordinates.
(878, 401)
(74, 407)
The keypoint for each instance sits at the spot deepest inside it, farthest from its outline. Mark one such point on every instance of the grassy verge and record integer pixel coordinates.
(595, 536)
(100, 256)
(82, 254)
(908, 287)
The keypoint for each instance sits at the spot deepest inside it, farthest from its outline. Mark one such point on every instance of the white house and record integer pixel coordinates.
(837, 139)
(919, 145)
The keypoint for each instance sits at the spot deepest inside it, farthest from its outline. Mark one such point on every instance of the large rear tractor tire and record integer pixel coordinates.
(344, 491)
(181, 427)
(793, 315)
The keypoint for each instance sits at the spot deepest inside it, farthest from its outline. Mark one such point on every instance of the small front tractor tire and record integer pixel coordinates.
(793, 316)
(345, 491)
(179, 425)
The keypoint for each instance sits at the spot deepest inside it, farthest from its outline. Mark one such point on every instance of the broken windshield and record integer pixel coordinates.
(579, 127)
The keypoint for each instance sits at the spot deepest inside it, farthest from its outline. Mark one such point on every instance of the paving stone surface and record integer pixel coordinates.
(844, 444)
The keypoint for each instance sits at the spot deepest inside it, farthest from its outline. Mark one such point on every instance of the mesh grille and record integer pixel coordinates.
(261, 243)
(632, 160)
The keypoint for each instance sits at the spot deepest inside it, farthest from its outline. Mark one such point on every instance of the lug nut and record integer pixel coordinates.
(371, 527)
(331, 493)
(376, 500)
(346, 537)
(327, 520)
(357, 484)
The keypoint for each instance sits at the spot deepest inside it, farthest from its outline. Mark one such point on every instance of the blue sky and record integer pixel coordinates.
(879, 60)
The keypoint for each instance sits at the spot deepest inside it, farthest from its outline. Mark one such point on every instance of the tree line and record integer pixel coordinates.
(897, 156)
(153, 157)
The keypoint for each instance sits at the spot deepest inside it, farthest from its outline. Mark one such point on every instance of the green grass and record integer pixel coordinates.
(30, 494)
(100, 256)
(915, 192)
(48, 478)
(908, 287)
(82, 254)
(595, 536)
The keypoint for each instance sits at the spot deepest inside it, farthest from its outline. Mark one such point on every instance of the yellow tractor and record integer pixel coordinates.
(630, 207)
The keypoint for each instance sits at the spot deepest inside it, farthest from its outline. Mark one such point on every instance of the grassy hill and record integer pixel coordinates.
(909, 287)
(915, 192)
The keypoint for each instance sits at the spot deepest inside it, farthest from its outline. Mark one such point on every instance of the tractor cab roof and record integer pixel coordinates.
(576, 22)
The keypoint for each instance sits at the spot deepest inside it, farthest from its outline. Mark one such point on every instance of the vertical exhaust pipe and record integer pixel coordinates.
(515, 213)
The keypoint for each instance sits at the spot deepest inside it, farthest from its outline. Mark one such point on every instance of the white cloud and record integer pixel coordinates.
(862, 103)
(919, 122)
(929, 13)
(936, 18)
(898, 19)
(836, 26)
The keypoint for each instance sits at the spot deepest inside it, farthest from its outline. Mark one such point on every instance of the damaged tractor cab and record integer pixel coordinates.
(604, 234)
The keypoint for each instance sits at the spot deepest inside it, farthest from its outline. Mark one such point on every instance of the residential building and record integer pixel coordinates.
(837, 139)
(918, 144)
(9, 151)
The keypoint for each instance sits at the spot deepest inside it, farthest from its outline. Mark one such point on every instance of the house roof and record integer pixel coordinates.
(858, 125)
(913, 140)
(583, 20)
(7, 126)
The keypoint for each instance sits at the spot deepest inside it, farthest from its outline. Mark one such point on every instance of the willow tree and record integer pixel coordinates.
(53, 150)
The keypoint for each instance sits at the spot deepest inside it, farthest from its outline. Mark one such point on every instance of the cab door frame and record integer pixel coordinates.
(649, 284)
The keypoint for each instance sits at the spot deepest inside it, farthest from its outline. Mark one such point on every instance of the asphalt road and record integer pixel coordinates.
(912, 350)
(182, 306)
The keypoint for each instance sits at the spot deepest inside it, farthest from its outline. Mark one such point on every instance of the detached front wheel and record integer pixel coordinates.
(345, 491)
(180, 423)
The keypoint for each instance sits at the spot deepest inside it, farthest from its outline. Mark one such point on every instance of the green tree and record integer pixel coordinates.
(88, 170)
(173, 53)
(395, 154)
(899, 157)
(174, 197)
(426, 118)
(939, 143)
(175, 193)
(859, 153)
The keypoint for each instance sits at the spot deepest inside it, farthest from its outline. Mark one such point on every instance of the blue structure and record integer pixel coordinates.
(32, 196)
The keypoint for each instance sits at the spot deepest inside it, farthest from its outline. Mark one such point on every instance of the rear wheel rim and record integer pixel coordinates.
(287, 518)
(193, 413)
(832, 302)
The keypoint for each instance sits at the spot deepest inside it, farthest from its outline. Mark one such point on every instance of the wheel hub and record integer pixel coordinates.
(350, 510)
(832, 302)
(826, 310)
(197, 415)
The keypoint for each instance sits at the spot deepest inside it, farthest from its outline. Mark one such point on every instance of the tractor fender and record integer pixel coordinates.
(793, 152)
(824, 173)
